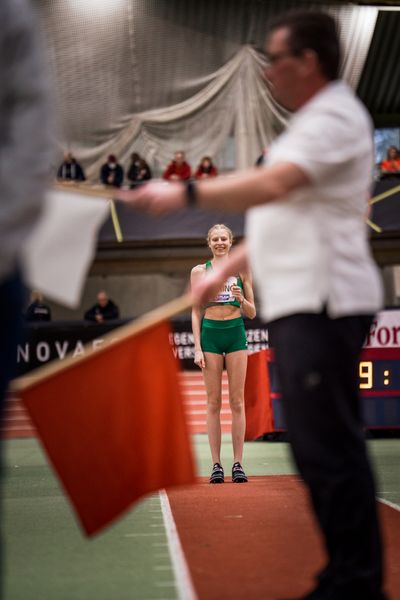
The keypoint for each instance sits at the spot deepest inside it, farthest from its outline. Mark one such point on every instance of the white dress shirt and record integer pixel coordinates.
(310, 249)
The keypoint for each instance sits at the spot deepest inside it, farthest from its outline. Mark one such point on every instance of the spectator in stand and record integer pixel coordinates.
(139, 170)
(70, 169)
(37, 310)
(178, 169)
(144, 171)
(390, 167)
(133, 170)
(206, 169)
(104, 310)
(112, 173)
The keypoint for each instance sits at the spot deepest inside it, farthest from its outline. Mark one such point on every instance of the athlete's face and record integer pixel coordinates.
(219, 242)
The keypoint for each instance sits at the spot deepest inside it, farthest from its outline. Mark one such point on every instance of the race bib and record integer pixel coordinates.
(225, 295)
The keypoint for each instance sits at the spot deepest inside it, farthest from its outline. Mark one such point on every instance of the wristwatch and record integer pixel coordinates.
(191, 193)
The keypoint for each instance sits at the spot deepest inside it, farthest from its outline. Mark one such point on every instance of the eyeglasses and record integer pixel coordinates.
(273, 59)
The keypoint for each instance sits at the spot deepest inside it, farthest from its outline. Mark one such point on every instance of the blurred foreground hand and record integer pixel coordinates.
(155, 198)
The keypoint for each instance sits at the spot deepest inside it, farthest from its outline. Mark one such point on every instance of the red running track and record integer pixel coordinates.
(259, 541)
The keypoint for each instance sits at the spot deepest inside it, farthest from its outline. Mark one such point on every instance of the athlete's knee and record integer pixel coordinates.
(236, 403)
(214, 403)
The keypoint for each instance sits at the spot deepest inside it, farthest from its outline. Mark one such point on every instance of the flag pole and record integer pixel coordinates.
(116, 336)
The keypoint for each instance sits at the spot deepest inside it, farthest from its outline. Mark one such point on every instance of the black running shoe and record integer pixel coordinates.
(217, 474)
(238, 475)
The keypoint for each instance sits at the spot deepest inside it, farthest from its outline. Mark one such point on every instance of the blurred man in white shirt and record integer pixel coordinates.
(306, 242)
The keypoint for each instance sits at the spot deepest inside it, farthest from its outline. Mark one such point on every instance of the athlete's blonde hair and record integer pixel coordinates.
(220, 226)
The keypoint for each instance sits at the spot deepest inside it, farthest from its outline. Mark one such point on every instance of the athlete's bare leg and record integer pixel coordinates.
(212, 374)
(236, 365)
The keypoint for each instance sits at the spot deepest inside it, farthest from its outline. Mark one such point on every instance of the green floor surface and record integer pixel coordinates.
(48, 558)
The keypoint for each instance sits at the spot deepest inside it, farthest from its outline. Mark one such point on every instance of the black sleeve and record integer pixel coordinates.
(111, 311)
(119, 176)
(90, 315)
(30, 313)
(103, 174)
(80, 173)
(131, 175)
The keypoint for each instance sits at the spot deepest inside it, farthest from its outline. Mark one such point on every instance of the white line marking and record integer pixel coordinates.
(140, 534)
(184, 583)
(391, 504)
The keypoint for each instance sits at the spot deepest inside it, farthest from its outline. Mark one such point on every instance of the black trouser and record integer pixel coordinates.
(11, 301)
(317, 360)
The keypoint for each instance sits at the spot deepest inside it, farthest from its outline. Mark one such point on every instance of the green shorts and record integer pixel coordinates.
(223, 337)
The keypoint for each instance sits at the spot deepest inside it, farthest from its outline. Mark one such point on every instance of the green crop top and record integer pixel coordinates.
(225, 296)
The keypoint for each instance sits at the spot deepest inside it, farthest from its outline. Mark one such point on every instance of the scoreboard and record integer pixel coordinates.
(379, 385)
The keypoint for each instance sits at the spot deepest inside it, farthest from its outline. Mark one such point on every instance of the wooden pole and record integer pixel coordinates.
(83, 189)
(386, 194)
(116, 336)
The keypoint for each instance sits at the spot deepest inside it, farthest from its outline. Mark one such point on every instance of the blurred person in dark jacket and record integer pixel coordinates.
(37, 309)
(70, 169)
(25, 156)
(111, 173)
(138, 171)
(104, 309)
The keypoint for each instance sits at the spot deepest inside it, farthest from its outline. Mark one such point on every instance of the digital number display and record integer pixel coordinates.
(379, 383)
(379, 375)
(366, 372)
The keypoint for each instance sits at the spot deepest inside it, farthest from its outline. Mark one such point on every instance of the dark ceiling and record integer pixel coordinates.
(379, 86)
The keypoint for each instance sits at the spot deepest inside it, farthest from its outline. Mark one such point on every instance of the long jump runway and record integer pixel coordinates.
(259, 540)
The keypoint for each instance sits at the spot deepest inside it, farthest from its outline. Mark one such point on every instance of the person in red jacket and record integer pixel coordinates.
(206, 168)
(178, 169)
(391, 165)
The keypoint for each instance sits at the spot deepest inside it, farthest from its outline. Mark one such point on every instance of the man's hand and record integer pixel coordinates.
(155, 198)
(206, 288)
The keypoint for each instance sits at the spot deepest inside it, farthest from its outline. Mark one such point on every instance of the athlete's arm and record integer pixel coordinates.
(197, 313)
(248, 306)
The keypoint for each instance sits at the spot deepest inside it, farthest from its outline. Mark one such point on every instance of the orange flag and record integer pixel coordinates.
(113, 425)
(257, 397)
